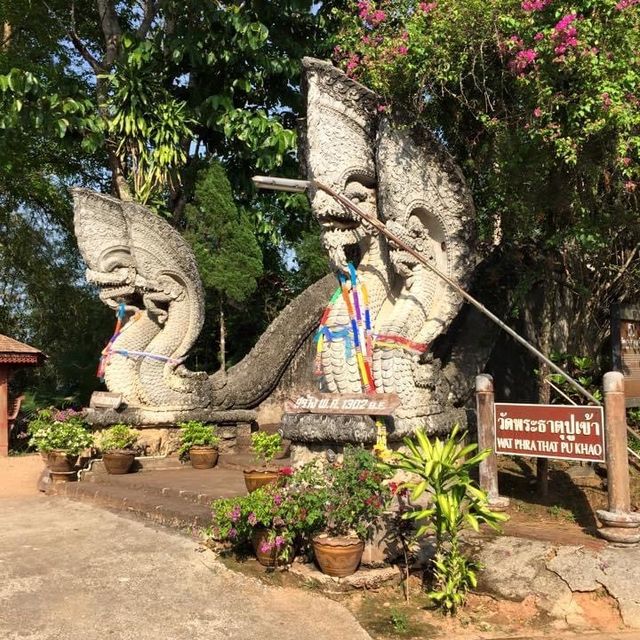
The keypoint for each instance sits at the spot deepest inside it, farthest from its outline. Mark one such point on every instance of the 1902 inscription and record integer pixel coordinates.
(381, 404)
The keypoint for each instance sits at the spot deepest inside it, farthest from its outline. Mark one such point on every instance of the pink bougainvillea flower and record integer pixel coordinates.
(265, 547)
(277, 500)
(534, 5)
(279, 541)
(522, 61)
(606, 100)
(625, 4)
(565, 34)
(427, 7)
(252, 519)
(235, 514)
(382, 108)
(352, 63)
(377, 17)
(565, 21)
(630, 186)
(539, 36)
(626, 161)
(233, 533)
(371, 17)
(402, 50)
(537, 112)
(286, 471)
(363, 10)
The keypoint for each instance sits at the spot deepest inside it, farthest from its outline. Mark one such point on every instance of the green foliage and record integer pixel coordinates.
(538, 102)
(118, 436)
(399, 621)
(633, 420)
(132, 100)
(59, 429)
(289, 510)
(356, 495)
(443, 471)
(197, 434)
(584, 369)
(223, 239)
(151, 125)
(342, 499)
(265, 446)
(311, 257)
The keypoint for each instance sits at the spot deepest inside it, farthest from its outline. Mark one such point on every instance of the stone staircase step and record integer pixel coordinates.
(192, 485)
(166, 510)
(177, 496)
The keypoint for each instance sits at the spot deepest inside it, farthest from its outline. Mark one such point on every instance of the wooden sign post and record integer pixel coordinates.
(625, 343)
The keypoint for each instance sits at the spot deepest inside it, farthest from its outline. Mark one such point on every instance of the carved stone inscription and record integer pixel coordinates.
(550, 431)
(374, 404)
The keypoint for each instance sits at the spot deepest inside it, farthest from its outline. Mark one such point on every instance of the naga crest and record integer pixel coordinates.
(142, 266)
(404, 177)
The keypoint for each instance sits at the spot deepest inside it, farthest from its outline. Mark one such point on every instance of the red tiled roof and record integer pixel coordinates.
(14, 352)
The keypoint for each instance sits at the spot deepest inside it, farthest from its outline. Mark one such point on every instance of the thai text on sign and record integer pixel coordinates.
(374, 404)
(550, 431)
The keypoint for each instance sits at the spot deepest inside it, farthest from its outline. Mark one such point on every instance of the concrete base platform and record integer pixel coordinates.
(176, 495)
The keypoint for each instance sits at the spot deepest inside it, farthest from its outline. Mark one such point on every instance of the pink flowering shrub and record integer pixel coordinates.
(564, 60)
(535, 5)
(565, 34)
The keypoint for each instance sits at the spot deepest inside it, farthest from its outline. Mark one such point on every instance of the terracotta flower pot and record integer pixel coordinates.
(254, 478)
(119, 461)
(203, 457)
(61, 466)
(271, 558)
(59, 461)
(337, 556)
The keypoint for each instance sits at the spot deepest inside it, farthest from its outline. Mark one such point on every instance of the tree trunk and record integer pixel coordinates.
(6, 36)
(222, 354)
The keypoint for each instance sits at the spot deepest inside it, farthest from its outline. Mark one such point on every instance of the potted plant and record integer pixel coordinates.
(264, 447)
(200, 441)
(116, 444)
(274, 519)
(355, 497)
(60, 435)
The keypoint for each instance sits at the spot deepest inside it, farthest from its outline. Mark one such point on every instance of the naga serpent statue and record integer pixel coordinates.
(402, 175)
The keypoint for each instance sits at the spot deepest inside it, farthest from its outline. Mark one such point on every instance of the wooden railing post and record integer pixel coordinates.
(4, 411)
(487, 440)
(620, 524)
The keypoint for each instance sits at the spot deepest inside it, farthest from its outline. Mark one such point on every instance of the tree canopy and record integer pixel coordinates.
(134, 97)
(538, 102)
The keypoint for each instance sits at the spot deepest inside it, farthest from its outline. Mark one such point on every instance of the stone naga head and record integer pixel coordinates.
(423, 199)
(137, 258)
(340, 142)
(103, 238)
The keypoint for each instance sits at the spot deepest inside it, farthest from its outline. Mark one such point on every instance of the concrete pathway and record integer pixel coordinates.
(69, 570)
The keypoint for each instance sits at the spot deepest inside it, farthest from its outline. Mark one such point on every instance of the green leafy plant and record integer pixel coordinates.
(119, 436)
(265, 446)
(356, 495)
(197, 434)
(59, 429)
(290, 511)
(399, 621)
(443, 470)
